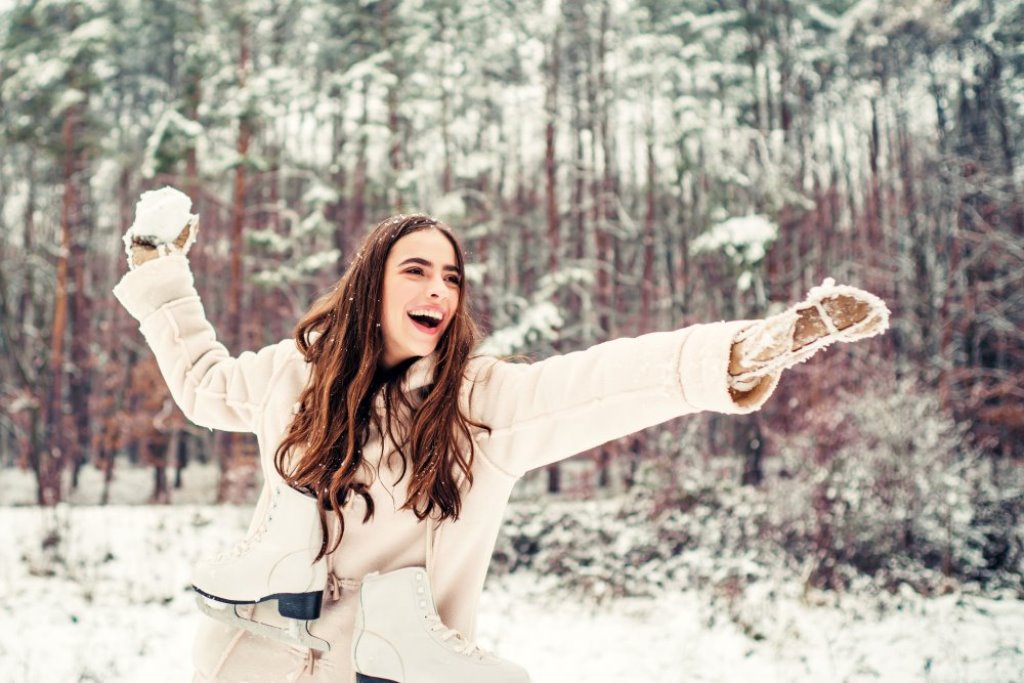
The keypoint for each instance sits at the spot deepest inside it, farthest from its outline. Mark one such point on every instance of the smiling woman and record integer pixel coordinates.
(389, 450)
(422, 287)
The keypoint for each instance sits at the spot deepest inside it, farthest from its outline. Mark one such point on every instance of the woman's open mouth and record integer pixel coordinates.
(428, 322)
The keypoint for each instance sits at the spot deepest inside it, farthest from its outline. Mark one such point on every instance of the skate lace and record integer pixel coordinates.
(242, 546)
(462, 645)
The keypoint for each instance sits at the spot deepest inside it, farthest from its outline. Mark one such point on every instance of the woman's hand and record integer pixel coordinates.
(157, 231)
(830, 313)
(141, 250)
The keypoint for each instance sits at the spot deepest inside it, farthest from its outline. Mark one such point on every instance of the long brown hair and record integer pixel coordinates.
(340, 337)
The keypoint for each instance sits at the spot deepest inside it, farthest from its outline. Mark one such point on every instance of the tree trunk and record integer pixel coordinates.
(357, 201)
(752, 447)
(155, 446)
(238, 199)
(193, 99)
(51, 462)
(228, 452)
(550, 168)
(551, 109)
(604, 187)
(26, 302)
(344, 238)
(80, 381)
(874, 199)
(650, 215)
(446, 145)
(395, 147)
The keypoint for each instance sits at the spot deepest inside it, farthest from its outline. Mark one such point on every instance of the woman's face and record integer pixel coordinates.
(422, 284)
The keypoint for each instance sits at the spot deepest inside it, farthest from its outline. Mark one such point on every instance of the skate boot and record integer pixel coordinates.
(830, 313)
(399, 638)
(275, 562)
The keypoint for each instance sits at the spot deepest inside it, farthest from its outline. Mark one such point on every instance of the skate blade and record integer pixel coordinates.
(214, 604)
(297, 633)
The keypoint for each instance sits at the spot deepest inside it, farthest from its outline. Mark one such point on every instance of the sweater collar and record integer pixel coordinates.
(420, 373)
(417, 376)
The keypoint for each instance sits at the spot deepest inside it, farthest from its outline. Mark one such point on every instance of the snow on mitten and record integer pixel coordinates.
(157, 230)
(830, 313)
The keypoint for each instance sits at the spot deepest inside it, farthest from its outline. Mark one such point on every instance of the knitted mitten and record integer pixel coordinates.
(157, 231)
(830, 313)
(141, 250)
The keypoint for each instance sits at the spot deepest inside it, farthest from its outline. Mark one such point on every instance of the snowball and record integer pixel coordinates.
(160, 216)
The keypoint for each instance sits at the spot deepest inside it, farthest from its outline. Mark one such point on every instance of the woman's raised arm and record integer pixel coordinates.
(212, 388)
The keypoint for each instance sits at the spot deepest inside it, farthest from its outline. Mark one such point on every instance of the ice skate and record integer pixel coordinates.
(275, 562)
(400, 638)
(830, 313)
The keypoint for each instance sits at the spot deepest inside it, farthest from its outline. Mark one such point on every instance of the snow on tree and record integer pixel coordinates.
(745, 240)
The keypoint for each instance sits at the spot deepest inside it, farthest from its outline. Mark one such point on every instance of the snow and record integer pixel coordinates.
(536, 323)
(822, 17)
(699, 24)
(109, 601)
(160, 216)
(94, 29)
(275, 243)
(320, 193)
(170, 123)
(450, 208)
(317, 262)
(744, 239)
(683, 637)
(66, 99)
(43, 74)
(570, 275)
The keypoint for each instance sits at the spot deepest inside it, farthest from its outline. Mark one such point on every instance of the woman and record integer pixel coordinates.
(409, 446)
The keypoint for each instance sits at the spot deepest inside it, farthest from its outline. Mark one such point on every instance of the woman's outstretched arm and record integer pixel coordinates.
(546, 411)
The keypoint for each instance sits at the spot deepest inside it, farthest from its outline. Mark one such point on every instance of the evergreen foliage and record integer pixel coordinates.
(587, 153)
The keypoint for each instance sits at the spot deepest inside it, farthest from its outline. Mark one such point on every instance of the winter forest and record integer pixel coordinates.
(613, 168)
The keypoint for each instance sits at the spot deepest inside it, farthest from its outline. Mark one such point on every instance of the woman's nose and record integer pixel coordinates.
(438, 289)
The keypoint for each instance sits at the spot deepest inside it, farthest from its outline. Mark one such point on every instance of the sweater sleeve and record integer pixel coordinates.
(212, 388)
(543, 412)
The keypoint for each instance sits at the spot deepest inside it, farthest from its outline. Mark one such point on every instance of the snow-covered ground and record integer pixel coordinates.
(107, 600)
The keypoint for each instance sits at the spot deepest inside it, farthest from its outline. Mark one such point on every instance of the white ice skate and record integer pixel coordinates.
(400, 638)
(275, 562)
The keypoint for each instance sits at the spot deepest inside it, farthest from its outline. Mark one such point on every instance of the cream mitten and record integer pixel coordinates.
(157, 231)
(830, 313)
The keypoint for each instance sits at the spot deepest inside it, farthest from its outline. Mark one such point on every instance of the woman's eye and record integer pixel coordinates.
(415, 271)
(455, 280)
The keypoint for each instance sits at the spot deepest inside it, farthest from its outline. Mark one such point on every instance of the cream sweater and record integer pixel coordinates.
(538, 414)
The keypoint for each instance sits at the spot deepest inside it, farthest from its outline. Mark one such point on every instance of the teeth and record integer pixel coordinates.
(427, 314)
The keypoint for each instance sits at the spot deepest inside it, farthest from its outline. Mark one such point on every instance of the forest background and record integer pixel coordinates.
(614, 168)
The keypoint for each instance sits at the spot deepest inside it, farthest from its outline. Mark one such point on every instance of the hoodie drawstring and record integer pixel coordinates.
(309, 666)
(333, 586)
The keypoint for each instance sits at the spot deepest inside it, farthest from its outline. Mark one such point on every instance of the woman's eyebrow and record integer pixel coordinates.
(428, 264)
